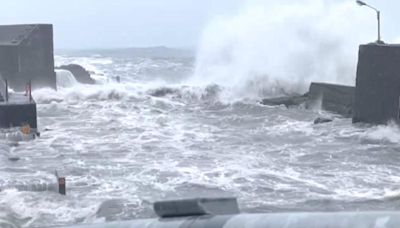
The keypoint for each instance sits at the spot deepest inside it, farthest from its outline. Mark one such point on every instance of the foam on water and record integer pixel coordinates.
(383, 134)
(26, 204)
(117, 143)
(126, 145)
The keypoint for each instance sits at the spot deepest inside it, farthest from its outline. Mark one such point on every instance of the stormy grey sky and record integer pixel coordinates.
(127, 23)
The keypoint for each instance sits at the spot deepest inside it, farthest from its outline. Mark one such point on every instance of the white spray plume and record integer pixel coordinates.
(279, 47)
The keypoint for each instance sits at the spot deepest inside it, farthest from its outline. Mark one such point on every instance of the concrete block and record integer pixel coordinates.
(377, 95)
(26, 54)
(196, 207)
(334, 98)
(80, 73)
(17, 112)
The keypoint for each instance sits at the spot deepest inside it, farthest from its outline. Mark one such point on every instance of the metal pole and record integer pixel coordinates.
(6, 90)
(361, 3)
(379, 26)
(30, 90)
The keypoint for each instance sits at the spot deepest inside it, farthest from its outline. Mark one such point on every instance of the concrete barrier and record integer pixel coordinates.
(219, 219)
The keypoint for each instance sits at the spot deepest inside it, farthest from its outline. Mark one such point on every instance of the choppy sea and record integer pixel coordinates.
(156, 136)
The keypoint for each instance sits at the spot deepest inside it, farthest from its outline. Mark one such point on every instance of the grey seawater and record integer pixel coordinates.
(122, 149)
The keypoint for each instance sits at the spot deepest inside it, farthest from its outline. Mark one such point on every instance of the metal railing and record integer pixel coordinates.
(5, 94)
(28, 90)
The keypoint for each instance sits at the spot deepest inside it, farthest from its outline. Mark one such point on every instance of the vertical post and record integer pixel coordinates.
(379, 25)
(61, 186)
(61, 181)
(30, 90)
(6, 90)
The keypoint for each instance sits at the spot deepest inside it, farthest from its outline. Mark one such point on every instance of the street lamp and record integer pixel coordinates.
(378, 13)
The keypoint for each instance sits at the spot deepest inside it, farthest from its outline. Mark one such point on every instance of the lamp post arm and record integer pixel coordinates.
(371, 7)
(378, 14)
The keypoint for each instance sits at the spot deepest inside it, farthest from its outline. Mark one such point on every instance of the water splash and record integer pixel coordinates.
(65, 79)
(279, 48)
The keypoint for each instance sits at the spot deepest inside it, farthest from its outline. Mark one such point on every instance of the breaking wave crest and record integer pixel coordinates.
(275, 48)
(127, 92)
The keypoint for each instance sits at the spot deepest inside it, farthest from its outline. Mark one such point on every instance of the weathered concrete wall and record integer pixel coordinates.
(377, 94)
(26, 53)
(331, 97)
(8, 61)
(37, 58)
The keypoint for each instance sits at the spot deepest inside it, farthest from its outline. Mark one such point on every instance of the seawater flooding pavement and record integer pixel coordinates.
(123, 149)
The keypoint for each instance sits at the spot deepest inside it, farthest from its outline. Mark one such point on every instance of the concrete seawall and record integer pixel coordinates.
(377, 95)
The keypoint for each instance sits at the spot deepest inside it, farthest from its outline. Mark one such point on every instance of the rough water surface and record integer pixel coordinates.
(155, 136)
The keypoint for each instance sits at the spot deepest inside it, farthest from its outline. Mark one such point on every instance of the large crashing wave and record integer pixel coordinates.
(275, 47)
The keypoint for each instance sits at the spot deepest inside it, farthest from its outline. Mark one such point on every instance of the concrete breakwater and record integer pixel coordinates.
(335, 98)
